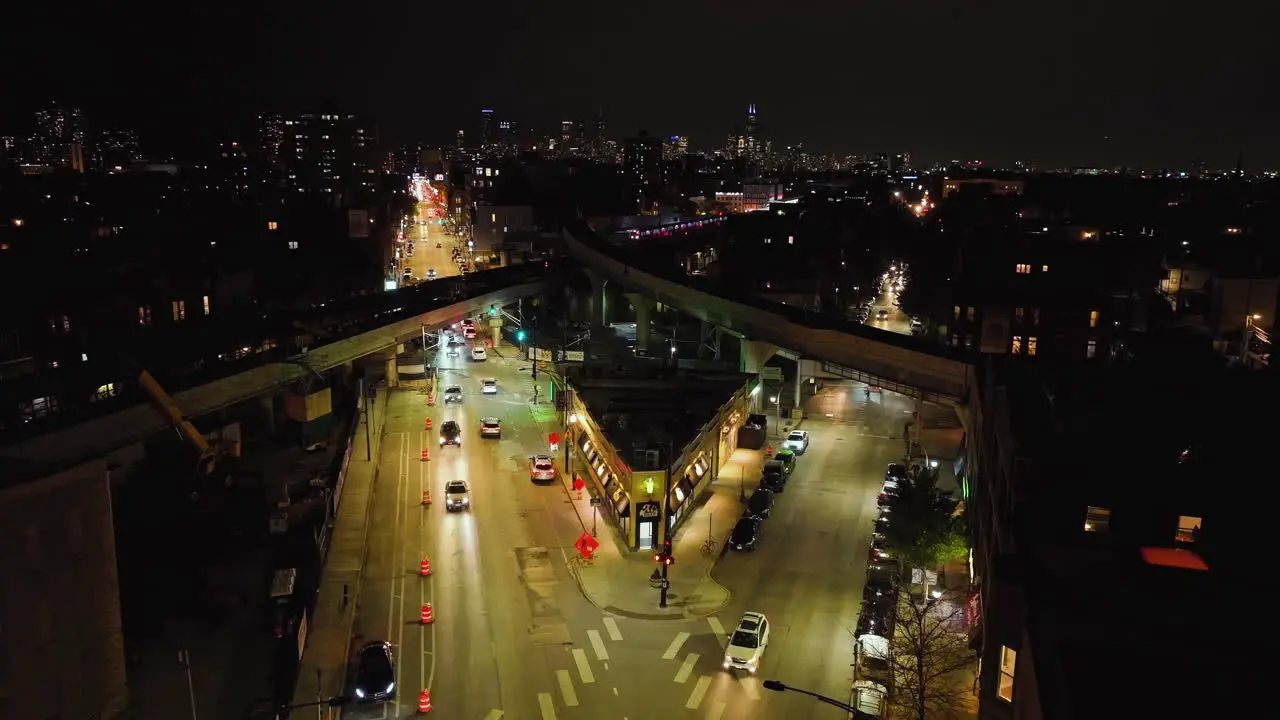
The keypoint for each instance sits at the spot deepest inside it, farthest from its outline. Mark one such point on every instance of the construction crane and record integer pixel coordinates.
(209, 453)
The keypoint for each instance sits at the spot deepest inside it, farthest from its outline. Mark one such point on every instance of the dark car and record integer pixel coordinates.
(375, 673)
(761, 503)
(776, 467)
(746, 534)
(882, 526)
(882, 584)
(895, 471)
(450, 433)
(879, 553)
(773, 483)
(876, 618)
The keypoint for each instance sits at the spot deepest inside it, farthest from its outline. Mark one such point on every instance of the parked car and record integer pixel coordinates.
(760, 504)
(896, 471)
(882, 584)
(746, 534)
(788, 460)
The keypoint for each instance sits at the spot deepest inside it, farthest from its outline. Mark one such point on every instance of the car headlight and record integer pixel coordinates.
(390, 686)
(727, 663)
(359, 693)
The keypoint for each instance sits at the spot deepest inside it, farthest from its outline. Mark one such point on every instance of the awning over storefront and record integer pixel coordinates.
(621, 502)
(681, 493)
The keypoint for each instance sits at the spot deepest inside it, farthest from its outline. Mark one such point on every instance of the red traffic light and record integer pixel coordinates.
(657, 558)
(668, 560)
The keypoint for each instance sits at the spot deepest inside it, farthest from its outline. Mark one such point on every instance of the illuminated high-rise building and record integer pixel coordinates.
(58, 138)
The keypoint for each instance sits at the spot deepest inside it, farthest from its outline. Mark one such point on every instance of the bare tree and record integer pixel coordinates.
(930, 656)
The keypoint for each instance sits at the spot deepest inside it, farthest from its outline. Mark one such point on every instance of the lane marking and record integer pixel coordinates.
(686, 669)
(717, 709)
(566, 688)
(611, 626)
(699, 690)
(751, 686)
(602, 652)
(717, 629)
(584, 668)
(675, 645)
(548, 708)
(494, 715)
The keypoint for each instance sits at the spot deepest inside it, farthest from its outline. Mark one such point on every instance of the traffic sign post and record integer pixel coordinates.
(595, 513)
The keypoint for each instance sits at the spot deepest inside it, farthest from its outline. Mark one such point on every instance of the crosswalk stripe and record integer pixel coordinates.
(566, 688)
(699, 690)
(584, 668)
(717, 709)
(611, 626)
(674, 647)
(751, 686)
(686, 669)
(717, 629)
(548, 708)
(602, 653)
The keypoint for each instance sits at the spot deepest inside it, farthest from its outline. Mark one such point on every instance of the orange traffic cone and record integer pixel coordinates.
(431, 399)
(428, 423)
(428, 617)
(424, 701)
(426, 497)
(424, 568)
(426, 454)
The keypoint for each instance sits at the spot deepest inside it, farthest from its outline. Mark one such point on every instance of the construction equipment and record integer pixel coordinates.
(210, 453)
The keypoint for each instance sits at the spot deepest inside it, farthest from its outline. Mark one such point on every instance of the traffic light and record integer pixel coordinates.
(664, 558)
(520, 335)
(493, 311)
(666, 547)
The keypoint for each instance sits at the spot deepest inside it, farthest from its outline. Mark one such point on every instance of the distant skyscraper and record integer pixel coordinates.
(323, 153)
(58, 137)
(642, 160)
(116, 148)
(461, 140)
(488, 128)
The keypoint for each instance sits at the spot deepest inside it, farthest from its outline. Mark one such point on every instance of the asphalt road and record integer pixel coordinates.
(425, 253)
(512, 636)
(897, 321)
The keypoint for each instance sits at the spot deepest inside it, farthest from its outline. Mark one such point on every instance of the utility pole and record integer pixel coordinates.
(368, 442)
(184, 659)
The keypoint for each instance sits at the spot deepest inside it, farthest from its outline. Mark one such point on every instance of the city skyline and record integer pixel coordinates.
(943, 82)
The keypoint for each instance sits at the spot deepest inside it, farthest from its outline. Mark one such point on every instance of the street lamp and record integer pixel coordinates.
(778, 686)
(1249, 321)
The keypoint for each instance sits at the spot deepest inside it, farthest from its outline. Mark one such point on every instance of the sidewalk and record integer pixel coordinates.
(322, 672)
(616, 580)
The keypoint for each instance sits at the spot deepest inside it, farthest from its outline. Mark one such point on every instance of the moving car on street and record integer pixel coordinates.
(490, 427)
(797, 441)
(456, 496)
(541, 469)
(450, 434)
(489, 386)
(375, 673)
(747, 643)
(479, 355)
(452, 394)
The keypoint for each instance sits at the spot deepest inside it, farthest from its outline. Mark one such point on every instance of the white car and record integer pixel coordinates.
(541, 468)
(456, 496)
(452, 394)
(490, 427)
(489, 386)
(747, 643)
(478, 354)
(797, 441)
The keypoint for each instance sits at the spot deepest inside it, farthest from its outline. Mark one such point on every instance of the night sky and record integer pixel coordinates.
(1099, 82)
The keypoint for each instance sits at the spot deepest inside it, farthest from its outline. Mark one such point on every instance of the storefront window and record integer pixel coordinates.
(679, 494)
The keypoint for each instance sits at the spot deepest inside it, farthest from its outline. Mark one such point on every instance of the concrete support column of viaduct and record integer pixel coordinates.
(645, 307)
(754, 354)
(596, 310)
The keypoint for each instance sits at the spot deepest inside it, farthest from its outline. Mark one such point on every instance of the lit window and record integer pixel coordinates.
(273, 225)
(1044, 268)
(1017, 344)
(1091, 349)
(293, 244)
(493, 218)
(1097, 519)
(66, 324)
(144, 315)
(179, 310)
(205, 304)
(1017, 314)
(1188, 528)
(972, 313)
(1093, 318)
(1008, 663)
(791, 239)
(1031, 345)
(957, 312)
(104, 392)
(1022, 269)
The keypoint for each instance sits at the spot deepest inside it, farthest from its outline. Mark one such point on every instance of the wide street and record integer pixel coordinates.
(897, 321)
(424, 233)
(512, 635)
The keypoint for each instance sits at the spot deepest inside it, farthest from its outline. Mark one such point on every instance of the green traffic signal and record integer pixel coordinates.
(520, 335)
(492, 311)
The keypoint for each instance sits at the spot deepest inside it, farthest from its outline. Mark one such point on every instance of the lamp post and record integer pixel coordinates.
(1244, 336)
(778, 686)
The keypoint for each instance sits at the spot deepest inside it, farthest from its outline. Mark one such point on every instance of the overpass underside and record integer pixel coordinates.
(868, 355)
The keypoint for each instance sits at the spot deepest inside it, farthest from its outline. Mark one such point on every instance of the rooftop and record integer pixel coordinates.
(642, 409)
(1111, 635)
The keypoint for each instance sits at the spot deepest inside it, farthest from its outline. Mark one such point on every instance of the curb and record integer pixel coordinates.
(364, 542)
